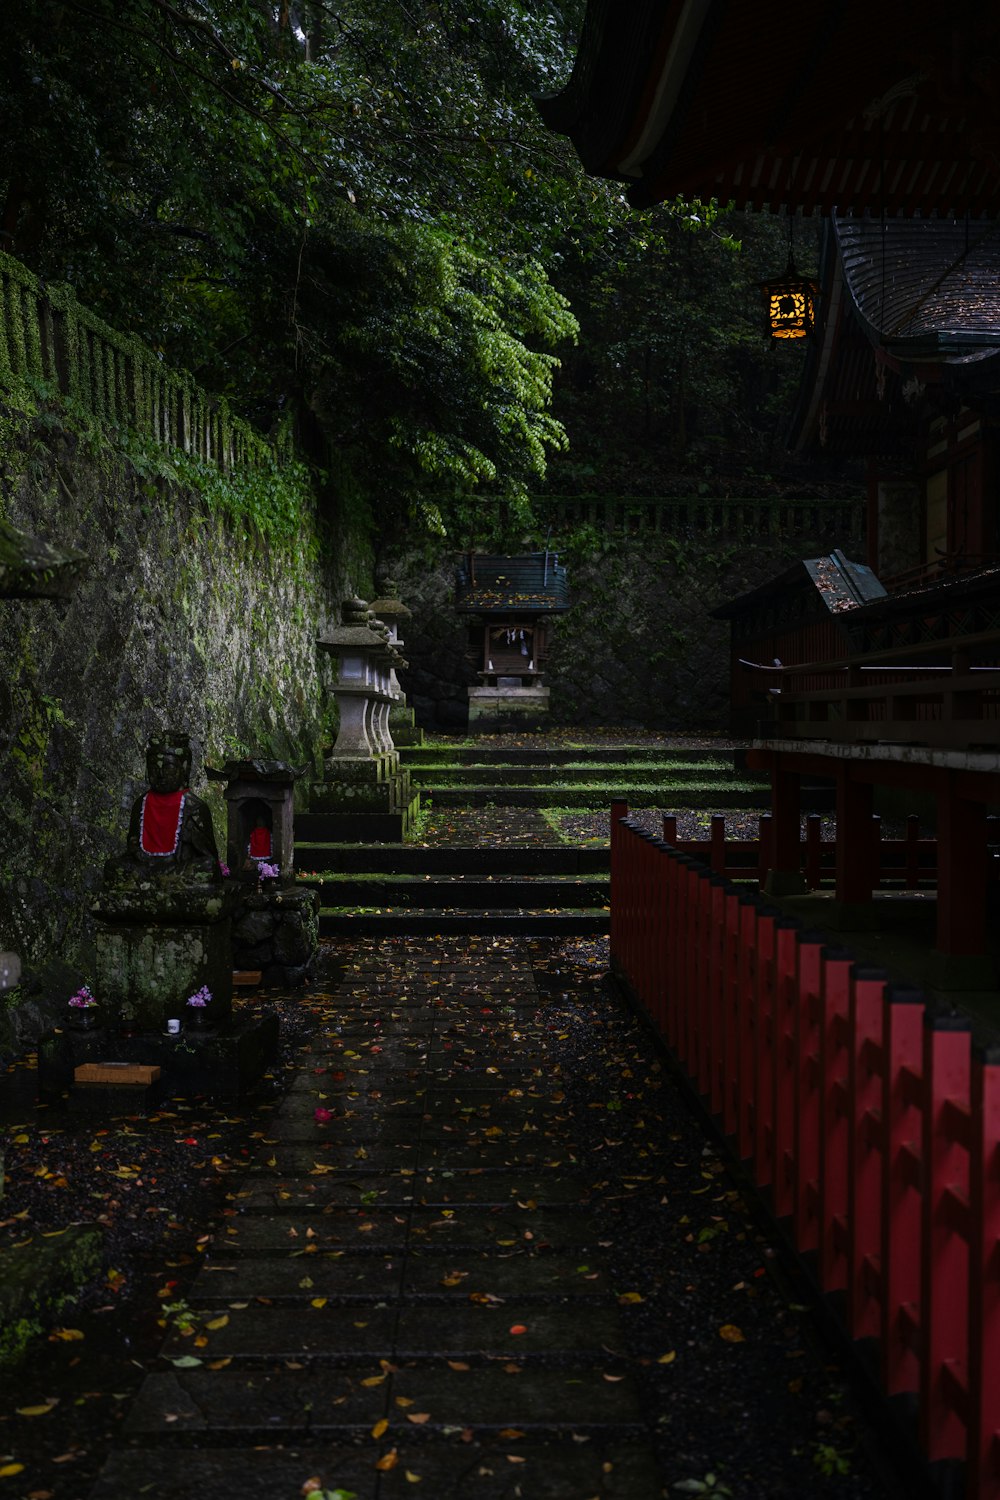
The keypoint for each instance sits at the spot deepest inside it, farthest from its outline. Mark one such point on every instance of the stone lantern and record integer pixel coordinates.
(364, 794)
(402, 721)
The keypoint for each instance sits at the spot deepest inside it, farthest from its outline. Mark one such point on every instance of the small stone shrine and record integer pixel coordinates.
(510, 602)
(402, 721)
(275, 924)
(164, 916)
(365, 795)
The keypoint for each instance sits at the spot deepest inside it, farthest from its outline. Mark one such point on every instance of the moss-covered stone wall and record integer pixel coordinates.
(186, 618)
(638, 646)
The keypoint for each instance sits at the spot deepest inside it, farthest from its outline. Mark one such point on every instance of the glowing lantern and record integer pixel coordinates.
(791, 304)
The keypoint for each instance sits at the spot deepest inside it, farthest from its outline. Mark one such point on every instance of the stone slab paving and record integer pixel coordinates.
(410, 1296)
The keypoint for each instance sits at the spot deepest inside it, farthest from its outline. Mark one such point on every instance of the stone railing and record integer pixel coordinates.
(51, 346)
(686, 515)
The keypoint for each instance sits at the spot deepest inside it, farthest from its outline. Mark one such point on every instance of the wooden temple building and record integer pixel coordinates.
(882, 674)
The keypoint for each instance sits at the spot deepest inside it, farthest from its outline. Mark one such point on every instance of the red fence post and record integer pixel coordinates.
(746, 998)
(669, 828)
(983, 1464)
(761, 1098)
(945, 1290)
(731, 979)
(902, 1111)
(717, 843)
(765, 846)
(619, 810)
(834, 1057)
(709, 1078)
(866, 1153)
(808, 1090)
(783, 1140)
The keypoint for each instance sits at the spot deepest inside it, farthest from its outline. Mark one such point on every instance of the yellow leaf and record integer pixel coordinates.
(218, 1322)
(514, 1458)
(404, 1400)
(22, 1140)
(413, 1478)
(318, 1302)
(631, 1297)
(420, 1417)
(380, 1427)
(7, 1471)
(219, 1364)
(668, 1358)
(373, 1380)
(388, 1460)
(65, 1335)
(36, 1411)
(457, 1364)
(731, 1334)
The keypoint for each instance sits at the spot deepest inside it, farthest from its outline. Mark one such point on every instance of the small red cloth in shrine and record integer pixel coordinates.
(161, 822)
(260, 843)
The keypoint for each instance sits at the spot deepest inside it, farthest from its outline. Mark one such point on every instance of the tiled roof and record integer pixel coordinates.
(533, 583)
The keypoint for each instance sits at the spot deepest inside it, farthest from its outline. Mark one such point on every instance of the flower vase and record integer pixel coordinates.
(197, 1018)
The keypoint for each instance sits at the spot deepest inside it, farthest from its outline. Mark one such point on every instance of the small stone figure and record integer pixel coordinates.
(170, 830)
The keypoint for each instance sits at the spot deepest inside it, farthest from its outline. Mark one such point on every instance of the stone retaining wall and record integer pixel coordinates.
(181, 621)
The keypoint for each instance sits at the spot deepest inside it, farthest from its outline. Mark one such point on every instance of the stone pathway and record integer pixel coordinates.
(410, 1298)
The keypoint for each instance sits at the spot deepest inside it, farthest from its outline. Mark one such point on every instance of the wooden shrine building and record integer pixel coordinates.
(510, 603)
(883, 120)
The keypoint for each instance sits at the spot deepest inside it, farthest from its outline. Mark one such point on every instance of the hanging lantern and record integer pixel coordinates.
(791, 300)
(791, 304)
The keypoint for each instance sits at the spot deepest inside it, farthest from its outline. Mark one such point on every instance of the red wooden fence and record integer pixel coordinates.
(870, 1122)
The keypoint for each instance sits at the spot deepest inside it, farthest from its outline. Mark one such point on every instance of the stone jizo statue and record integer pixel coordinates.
(170, 830)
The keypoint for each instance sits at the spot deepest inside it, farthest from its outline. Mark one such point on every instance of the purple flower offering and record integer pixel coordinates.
(201, 997)
(83, 999)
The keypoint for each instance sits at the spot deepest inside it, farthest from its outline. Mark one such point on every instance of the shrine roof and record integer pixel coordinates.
(918, 299)
(532, 583)
(779, 105)
(838, 583)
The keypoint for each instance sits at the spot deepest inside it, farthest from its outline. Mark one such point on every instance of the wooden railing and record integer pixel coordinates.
(839, 520)
(887, 695)
(908, 862)
(868, 1120)
(52, 347)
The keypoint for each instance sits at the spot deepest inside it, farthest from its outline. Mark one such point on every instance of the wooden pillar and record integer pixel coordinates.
(854, 840)
(961, 904)
(784, 877)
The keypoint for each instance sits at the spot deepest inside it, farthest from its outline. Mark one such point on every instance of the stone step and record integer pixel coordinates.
(422, 893)
(523, 923)
(698, 794)
(479, 755)
(444, 859)
(636, 775)
(619, 1467)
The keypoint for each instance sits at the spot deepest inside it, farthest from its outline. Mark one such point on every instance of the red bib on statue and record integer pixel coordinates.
(160, 830)
(260, 843)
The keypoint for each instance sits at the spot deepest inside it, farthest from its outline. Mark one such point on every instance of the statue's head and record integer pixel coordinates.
(168, 762)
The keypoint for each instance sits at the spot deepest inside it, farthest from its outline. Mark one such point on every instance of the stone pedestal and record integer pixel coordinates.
(503, 700)
(277, 932)
(156, 944)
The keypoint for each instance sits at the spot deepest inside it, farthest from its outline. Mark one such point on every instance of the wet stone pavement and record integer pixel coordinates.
(478, 1254)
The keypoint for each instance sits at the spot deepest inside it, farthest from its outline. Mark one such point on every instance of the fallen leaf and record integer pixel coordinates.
(380, 1426)
(36, 1411)
(731, 1334)
(517, 1328)
(631, 1297)
(65, 1335)
(419, 1417)
(388, 1460)
(218, 1322)
(7, 1471)
(668, 1358)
